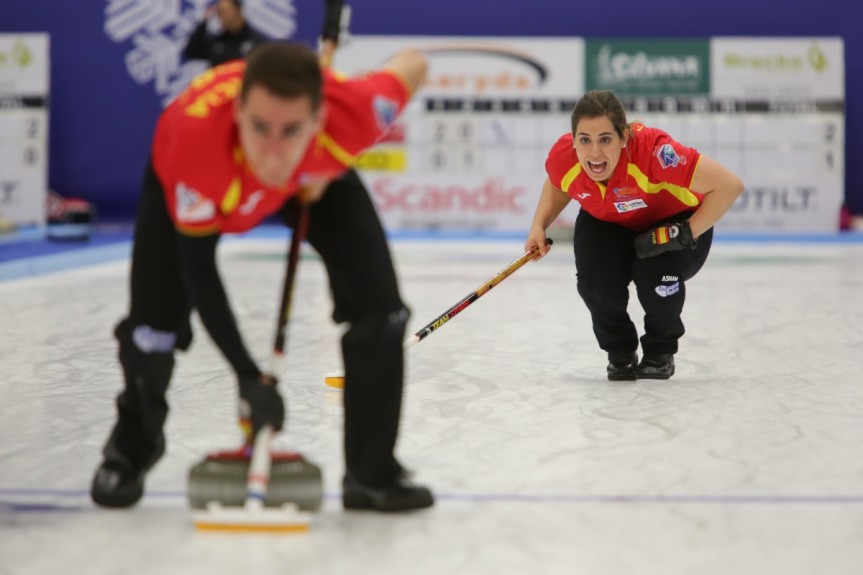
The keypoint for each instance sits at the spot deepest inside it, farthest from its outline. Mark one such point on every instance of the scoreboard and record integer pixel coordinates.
(469, 152)
(23, 127)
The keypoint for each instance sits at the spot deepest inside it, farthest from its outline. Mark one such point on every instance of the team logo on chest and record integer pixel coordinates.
(625, 192)
(631, 205)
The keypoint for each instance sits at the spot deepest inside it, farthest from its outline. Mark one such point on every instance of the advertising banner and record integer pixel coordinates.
(785, 206)
(792, 139)
(24, 78)
(778, 68)
(648, 66)
(475, 67)
(468, 155)
(450, 203)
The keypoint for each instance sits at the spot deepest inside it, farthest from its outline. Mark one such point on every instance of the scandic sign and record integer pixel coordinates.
(489, 196)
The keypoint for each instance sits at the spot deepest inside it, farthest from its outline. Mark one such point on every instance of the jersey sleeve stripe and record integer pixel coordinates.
(683, 194)
(232, 197)
(339, 153)
(694, 169)
(569, 177)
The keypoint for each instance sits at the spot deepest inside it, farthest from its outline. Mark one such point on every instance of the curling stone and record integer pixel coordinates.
(222, 478)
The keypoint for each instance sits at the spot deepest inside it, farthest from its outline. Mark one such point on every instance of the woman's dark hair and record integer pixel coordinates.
(598, 103)
(285, 69)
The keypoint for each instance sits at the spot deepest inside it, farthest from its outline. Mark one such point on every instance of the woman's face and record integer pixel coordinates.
(598, 147)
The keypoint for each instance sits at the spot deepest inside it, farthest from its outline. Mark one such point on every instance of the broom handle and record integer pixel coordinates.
(258, 478)
(334, 24)
(471, 297)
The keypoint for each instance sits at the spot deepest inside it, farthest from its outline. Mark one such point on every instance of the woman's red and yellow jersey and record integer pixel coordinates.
(650, 183)
(197, 156)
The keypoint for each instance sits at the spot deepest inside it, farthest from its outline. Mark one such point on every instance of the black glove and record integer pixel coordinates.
(260, 404)
(665, 238)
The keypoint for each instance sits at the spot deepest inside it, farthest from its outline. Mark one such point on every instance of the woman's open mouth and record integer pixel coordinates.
(597, 168)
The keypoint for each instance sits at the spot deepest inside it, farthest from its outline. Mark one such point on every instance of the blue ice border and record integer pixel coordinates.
(29, 254)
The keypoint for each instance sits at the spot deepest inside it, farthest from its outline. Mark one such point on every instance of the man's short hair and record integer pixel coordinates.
(286, 69)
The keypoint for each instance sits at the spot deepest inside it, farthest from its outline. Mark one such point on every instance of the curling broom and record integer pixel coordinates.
(337, 378)
(265, 491)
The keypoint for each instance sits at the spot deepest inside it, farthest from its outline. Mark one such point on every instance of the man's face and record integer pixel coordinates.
(275, 133)
(230, 15)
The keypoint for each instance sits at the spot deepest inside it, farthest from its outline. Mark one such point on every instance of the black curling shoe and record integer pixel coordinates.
(399, 495)
(117, 485)
(658, 366)
(622, 365)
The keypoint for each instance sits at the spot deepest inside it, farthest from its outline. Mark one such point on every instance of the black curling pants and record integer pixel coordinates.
(606, 264)
(345, 230)
(157, 323)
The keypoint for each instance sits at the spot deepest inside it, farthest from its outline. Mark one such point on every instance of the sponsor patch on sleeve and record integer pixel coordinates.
(192, 207)
(386, 111)
(668, 156)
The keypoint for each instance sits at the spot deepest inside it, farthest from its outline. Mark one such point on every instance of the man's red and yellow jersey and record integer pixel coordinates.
(197, 155)
(650, 183)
